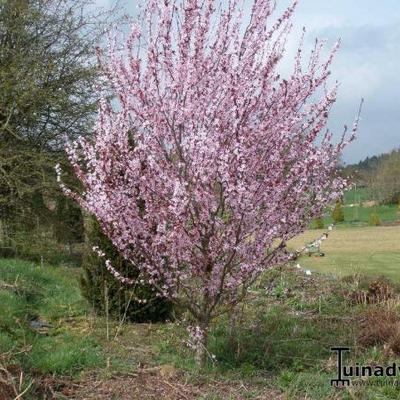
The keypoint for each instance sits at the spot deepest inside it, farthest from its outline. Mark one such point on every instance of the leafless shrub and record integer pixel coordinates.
(380, 326)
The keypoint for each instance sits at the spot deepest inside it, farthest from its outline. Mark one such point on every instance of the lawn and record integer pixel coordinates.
(370, 250)
(359, 216)
(42, 324)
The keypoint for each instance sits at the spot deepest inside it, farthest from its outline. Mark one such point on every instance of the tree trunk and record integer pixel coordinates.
(201, 348)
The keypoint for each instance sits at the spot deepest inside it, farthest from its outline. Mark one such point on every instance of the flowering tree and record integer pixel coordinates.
(211, 162)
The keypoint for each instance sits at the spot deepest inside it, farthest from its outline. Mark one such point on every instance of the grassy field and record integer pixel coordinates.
(370, 250)
(276, 346)
(359, 215)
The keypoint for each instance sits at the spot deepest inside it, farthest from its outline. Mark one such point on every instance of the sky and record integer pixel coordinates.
(367, 65)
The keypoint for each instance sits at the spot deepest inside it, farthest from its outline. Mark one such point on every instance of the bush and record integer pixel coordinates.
(374, 219)
(380, 326)
(99, 287)
(318, 223)
(337, 213)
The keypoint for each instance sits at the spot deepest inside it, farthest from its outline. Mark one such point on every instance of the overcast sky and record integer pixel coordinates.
(368, 65)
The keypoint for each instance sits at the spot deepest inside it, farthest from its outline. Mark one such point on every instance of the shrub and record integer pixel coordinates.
(68, 224)
(380, 326)
(318, 223)
(337, 213)
(98, 286)
(374, 219)
(189, 154)
(50, 231)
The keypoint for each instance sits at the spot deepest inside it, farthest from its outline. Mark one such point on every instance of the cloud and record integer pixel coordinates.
(364, 38)
(104, 3)
(368, 66)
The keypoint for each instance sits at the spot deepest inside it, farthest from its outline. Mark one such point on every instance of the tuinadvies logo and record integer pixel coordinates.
(346, 372)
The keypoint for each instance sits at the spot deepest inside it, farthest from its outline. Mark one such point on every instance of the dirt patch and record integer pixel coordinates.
(391, 223)
(155, 386)
(369, 203)
(6, 391)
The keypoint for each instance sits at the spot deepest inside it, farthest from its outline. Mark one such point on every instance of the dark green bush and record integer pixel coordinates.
(100, 287)
(48, 229)
(68, 224)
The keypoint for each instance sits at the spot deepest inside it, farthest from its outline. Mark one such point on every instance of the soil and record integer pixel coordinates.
(155, 386)
(151, 384)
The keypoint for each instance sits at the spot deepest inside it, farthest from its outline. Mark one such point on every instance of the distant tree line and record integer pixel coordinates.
(380, 174)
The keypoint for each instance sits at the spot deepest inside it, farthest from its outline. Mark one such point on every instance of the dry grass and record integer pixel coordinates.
(380, 325)
(378, 291)
(155, 386)
(12, 379)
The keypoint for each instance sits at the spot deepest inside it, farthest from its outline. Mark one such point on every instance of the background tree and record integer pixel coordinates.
(47, 72)
(225, 165)
(386, 179)
(379, 175)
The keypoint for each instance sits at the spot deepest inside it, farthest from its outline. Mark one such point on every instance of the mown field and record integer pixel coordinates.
(367, 250)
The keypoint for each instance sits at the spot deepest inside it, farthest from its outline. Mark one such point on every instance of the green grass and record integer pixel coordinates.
(275, 341)
(360, 216)
(282, 339)
(375, 264)
(64, 354)
(358, 195)
(387, 213)
(52, 295)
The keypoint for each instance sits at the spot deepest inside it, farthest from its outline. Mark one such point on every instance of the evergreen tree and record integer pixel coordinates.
(374, 219)
(337, 213)
(101, 288)
(318, 223)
